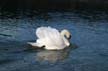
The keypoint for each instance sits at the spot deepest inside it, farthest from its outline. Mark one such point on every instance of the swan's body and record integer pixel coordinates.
(51, 38)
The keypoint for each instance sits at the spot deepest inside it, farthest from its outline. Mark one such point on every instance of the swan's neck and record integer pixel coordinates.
(63, 34)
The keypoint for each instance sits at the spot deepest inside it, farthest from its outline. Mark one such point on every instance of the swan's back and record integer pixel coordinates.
(50, 35)
(44, 32)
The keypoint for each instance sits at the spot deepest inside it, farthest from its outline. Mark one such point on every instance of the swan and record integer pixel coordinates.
(51, 39)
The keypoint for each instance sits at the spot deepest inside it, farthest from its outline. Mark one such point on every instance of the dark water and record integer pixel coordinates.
(88, 52)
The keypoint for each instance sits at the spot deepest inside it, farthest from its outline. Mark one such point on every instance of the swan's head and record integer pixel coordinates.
(66, 34)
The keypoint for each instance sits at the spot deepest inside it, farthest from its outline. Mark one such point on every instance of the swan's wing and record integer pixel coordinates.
(51, 36)
(55, 37)
(41, 32)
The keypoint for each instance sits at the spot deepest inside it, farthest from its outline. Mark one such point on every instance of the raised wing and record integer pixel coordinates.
(41, 32)
(51, 36)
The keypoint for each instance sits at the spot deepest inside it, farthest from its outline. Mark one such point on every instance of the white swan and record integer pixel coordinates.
(51, 38)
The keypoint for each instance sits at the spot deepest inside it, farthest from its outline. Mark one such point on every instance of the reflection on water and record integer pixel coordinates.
(89, 32)
(52, 56)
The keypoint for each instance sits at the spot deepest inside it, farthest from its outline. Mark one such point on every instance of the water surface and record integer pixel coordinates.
(88, 50)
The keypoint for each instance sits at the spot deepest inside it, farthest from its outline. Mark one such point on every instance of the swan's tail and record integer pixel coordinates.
(35, 44)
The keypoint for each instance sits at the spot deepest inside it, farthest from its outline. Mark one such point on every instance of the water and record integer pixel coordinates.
(88, 50)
